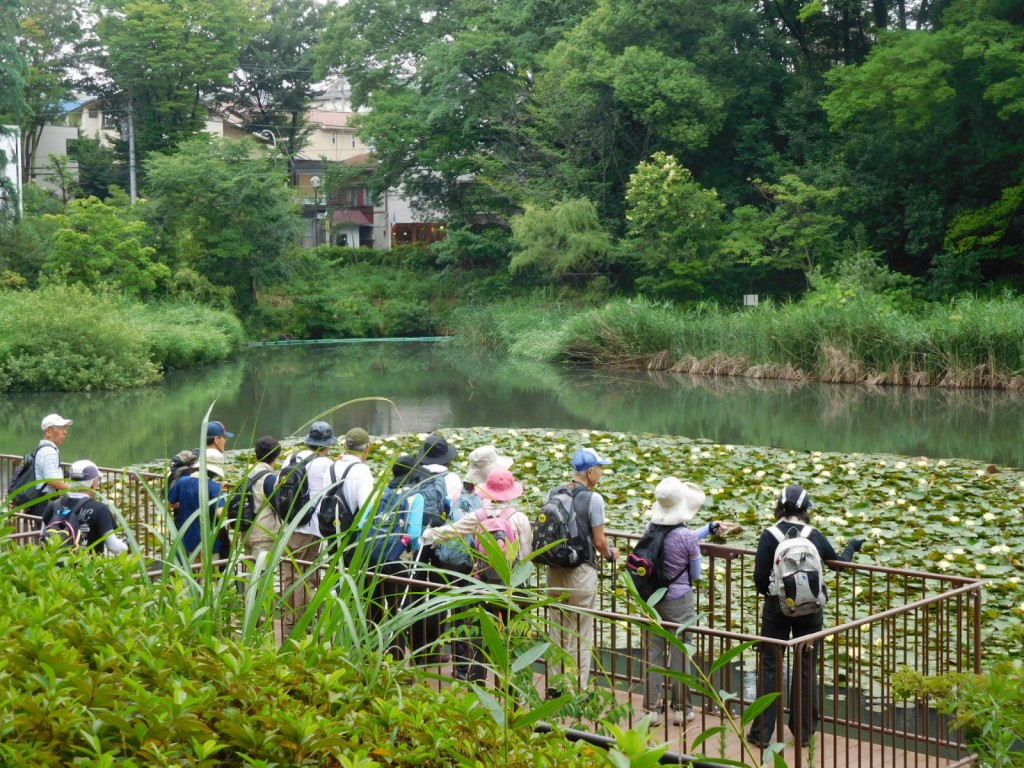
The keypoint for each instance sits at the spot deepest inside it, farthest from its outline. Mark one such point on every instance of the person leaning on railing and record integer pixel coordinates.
(792, 521)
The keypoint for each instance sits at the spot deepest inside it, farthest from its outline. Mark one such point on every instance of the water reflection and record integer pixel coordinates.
(436, 385)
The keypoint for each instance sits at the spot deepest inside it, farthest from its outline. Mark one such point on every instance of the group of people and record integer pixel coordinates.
(486, 495)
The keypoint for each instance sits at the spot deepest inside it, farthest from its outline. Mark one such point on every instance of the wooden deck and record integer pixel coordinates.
(840, 746)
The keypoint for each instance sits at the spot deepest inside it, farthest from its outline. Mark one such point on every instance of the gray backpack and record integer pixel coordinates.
(798, 578)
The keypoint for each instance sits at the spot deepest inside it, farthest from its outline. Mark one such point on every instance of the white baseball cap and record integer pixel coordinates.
(55, 420)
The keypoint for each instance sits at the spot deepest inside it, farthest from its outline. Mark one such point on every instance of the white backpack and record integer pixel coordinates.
(798, 578)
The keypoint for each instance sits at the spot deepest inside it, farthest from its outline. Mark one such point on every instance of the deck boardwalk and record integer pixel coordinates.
(830, 750)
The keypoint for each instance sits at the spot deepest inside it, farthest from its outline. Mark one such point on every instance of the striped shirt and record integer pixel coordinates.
(47, 464)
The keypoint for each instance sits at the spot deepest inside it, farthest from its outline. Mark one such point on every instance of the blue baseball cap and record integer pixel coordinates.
(585, 458)
(216, 429)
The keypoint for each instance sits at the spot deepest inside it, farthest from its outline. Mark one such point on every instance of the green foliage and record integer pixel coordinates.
(67, 338)
(228, 214)
(167, 60)
(797, 230)
(25, 244)
(989, 706)
(130, 676)
(13, 67)
(96, 244)
(322, 299)
(677, 227)
(99, 170)
(565, 240)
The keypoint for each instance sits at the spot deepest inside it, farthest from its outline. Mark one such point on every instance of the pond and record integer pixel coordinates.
(437, 385)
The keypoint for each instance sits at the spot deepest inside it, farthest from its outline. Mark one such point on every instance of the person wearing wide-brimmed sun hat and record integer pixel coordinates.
(792, 520)
(497, 492)
(676, 504)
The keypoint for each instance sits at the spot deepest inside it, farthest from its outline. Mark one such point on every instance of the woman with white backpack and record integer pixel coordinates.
(788, 571)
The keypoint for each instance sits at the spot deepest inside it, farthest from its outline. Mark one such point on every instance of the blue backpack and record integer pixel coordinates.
(457, 554)
(387, 538)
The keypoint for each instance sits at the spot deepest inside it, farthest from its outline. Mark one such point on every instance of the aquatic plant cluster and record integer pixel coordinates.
(944, 516)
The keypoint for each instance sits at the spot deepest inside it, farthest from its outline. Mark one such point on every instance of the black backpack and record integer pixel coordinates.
(646, 563)
(241, 509)
(291, 496)
(65, 527)
(333, 515)
(25, 475)
(558, 523)
(183, 464)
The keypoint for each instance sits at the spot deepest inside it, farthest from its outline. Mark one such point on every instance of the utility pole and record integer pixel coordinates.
(132, 189)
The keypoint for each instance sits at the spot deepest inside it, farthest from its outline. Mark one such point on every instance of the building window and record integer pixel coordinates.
(109, 120)
(94, 113)
(353, 141)
(334, 137)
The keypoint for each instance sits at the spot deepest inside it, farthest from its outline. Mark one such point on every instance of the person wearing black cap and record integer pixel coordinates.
(792, 522)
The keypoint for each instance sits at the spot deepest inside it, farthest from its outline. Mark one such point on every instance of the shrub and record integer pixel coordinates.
(126, 677)
(70, 339)
(67, 338)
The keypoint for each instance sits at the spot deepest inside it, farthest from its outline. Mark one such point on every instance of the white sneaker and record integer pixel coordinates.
(680, 716)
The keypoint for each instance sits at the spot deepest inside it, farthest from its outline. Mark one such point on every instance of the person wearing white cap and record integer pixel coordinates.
(574, 630)
(676, 504)
(48, 474)
(96, 523)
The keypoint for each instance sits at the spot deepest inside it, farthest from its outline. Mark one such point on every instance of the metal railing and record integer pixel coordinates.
(878, 620)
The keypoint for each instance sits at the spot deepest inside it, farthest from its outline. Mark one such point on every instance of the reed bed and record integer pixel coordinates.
(965, 344)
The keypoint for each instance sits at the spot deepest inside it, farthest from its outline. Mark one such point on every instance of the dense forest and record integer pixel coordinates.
(685, 151)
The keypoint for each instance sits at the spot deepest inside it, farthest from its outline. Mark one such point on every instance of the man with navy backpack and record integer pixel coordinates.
(350, 479)
(577, 586)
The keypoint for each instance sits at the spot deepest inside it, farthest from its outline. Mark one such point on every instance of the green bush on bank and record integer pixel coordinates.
(331, 295)
(68, 338)
(968, 343)
(101, 667)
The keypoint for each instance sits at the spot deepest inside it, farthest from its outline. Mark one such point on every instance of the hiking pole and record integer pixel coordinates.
(412, 574)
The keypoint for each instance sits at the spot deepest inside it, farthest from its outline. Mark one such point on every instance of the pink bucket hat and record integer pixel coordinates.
(500, 486)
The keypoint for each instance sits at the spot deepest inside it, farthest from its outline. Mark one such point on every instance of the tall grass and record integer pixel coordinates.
(70, 339)
(968, 343)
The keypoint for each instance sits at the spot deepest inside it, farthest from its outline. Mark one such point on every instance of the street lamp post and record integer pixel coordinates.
(315, 182)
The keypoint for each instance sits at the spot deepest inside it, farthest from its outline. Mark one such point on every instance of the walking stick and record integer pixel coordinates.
(412, 574)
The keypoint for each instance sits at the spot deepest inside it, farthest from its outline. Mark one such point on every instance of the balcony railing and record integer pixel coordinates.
(878, 621)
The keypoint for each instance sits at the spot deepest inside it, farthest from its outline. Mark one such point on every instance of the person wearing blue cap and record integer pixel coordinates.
(216, 441)
(577, 586)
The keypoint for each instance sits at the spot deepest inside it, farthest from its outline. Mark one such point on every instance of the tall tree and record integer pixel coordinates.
(274, 81)
(228, 213)
(52, 32)
(166, 61)
(444, 81)
(931, 126)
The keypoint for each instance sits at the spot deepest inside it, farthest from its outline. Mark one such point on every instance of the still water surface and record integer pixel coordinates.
(276, 390)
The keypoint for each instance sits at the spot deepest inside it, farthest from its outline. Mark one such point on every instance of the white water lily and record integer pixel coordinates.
(989, 517)
(900, 465)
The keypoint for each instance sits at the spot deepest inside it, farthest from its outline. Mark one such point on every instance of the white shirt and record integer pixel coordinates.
(358, 483)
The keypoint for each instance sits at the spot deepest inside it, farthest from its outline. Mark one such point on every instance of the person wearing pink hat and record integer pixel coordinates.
(502, 520)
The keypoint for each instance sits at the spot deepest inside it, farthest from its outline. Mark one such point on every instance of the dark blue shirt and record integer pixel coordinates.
(185, 493)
